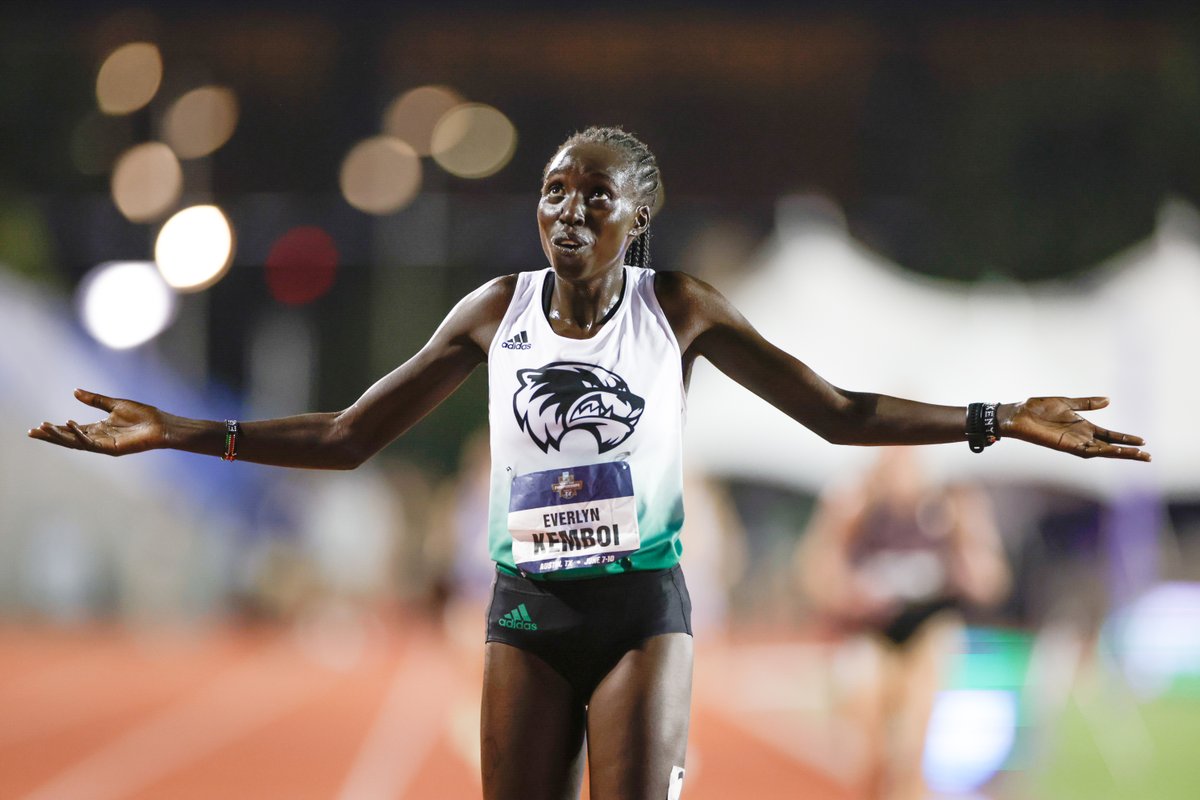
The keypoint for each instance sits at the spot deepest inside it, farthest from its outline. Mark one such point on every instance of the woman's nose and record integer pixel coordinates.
(571, 211)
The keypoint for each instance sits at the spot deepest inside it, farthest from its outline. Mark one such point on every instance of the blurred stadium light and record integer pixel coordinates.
(1157, 638)
(301, 265)
(473, 140)
(129, 78)
(125, 303)
(413, 115)
(970, 735)
(146, 181)
(201, 121)
(381, 175)
(194, 248)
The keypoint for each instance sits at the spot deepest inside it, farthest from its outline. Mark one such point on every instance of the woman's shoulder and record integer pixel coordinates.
(504, 288)
(492, 298)
(675, 287)
(684, 296)
(496, 295)
(479, 314)
(690, 305)
(501, 288)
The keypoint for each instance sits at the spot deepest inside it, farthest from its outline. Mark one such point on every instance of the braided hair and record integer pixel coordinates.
(646, 179)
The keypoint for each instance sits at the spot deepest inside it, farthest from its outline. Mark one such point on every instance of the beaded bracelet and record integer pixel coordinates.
(231, 436)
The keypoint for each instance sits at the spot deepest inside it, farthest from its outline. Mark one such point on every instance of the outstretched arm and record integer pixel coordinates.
(706, 324)
(332, 440)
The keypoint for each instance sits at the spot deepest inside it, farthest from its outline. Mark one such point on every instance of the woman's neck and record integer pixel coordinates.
(578, 308)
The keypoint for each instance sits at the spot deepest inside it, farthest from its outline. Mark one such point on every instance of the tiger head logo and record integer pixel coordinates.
(564, 396)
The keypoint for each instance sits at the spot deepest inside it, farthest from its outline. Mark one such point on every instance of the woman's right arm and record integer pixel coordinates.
(333, 440)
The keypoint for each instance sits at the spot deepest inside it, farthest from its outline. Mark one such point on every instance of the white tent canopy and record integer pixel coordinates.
(1129, 333)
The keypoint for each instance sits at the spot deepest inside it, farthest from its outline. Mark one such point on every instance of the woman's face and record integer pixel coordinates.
(587, 214)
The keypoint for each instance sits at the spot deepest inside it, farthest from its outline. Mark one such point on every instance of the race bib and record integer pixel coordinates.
(572, 518)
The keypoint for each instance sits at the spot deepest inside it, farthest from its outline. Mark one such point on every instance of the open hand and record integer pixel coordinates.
(1052, 422)
(131, 427)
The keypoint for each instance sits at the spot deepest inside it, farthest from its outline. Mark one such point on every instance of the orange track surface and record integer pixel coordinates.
(91, 714)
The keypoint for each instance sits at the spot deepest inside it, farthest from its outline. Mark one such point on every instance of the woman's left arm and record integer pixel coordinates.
(706, 324)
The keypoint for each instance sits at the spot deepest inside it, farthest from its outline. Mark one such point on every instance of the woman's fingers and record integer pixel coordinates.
(1109, 451)
(79, 432)
(55, 434)
(100, 401)
(1118, 438)
(1086, 403)
(73, 434)
(1097, 448)
(76, 437)
(1085, 440)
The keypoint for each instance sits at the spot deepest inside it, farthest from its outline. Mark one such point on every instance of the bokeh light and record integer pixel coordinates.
(473, 140)
(971, 732)
(125, 303)
(413, 115)
(194, 248)
(1158, 638)
(146, 181)
(381, 175)
(201, 121)
(129, 78)
(301, 265)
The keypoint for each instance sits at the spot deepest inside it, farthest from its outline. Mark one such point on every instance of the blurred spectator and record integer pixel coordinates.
(891, 563)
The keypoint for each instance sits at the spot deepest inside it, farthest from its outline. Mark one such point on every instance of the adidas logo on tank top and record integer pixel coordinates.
(518, 342)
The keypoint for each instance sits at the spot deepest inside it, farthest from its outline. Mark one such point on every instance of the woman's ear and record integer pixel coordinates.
(641, 221)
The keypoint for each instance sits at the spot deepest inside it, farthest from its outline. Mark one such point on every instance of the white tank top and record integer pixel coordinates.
(586, 438)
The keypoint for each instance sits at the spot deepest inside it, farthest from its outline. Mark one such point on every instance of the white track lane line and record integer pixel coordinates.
(412, 718)
(246, 696)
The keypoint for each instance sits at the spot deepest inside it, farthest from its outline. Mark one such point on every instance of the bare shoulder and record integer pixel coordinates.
(477, 316)
(675, 288)
(492, 299)
(691, 306)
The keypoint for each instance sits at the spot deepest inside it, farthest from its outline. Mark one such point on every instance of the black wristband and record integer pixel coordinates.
(983, 429)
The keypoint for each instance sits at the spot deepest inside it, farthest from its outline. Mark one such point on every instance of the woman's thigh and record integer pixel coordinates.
(918, 673)
(637, 721)
(532, 729)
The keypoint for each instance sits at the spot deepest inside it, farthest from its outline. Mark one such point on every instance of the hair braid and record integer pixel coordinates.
(638, 254)
(646, 179)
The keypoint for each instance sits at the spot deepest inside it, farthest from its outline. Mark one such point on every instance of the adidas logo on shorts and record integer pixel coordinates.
(518, 342)
(518, 618)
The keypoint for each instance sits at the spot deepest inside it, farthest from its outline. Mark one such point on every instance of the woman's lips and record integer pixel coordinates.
(568, 243)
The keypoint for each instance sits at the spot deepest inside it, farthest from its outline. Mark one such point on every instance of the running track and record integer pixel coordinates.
(343, 706)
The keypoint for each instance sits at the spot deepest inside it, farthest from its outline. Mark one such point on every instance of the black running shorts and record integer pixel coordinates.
(582, 628)
(904, 626)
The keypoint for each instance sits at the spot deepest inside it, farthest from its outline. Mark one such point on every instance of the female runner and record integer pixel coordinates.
(588, 634)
